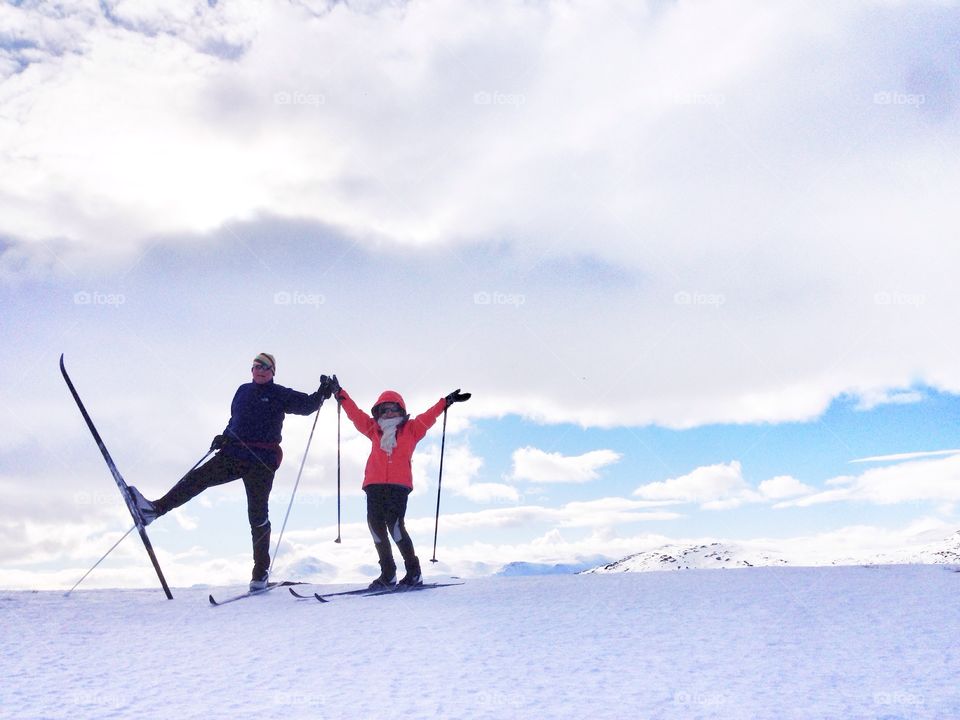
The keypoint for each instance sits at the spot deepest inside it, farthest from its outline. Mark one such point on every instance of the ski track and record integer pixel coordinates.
(776, 643)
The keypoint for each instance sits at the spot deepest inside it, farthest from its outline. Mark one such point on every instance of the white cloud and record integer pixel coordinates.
(710, 485)
(905, 456)
(353, 560)
(783, 486)
(537, 466)
(461, 469)
(597, 514)
(185, 520)
(422, 125)
(915, 481)
(610, 512)
(721, 487)
(849, 544)
(875, 397)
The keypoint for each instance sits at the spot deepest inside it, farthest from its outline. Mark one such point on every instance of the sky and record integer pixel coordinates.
(696, 262)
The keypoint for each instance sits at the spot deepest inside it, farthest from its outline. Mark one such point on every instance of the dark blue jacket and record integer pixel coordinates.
(256, 418)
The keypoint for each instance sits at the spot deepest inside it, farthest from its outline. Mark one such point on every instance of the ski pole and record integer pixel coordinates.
(118, 478)
(67, 593)
(293, 494)
(436, 523)
(210, 452)
(338, 472)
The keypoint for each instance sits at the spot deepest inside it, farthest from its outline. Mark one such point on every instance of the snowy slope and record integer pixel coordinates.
(938, 551)
(777, 643)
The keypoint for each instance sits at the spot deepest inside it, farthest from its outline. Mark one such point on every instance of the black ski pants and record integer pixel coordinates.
(257, 481)
(386, 509)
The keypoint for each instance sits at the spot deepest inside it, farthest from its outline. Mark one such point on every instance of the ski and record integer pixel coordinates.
(323, 598)
(367, 592)
(121, 483)
(251, 593)
(400, 589)
(304, 597)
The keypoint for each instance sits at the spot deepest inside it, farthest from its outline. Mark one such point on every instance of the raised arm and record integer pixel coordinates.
(425, 420)
(363, 422)
(298, 403)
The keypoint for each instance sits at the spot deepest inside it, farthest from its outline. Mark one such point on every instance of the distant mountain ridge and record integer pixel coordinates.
(689, 557)
(733, 555)
(517, 569)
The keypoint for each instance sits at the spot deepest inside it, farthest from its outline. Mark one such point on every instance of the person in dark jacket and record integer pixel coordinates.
(388, 477)
(248, 449)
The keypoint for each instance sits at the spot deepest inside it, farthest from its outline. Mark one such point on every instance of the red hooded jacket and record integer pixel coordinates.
(393, 469)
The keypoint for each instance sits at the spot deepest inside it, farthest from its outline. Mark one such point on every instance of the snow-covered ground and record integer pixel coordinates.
(776, 642)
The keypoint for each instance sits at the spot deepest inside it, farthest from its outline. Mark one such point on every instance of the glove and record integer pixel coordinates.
(218, 442)
(324, 389)
(457, 396)
(333, 385)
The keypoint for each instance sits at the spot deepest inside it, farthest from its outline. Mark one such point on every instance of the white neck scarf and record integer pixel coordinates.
(388, 441)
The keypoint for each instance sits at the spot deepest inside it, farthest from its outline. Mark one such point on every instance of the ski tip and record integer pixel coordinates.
(320, 597)
(212, 601)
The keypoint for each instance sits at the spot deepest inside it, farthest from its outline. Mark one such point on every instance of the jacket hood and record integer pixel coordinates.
(389, 396)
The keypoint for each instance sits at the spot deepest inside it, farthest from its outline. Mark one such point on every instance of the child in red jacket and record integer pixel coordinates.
(388, 477)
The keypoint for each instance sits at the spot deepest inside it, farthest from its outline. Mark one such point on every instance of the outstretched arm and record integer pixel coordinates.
(363, 422)
(299, 403)
(425, 420)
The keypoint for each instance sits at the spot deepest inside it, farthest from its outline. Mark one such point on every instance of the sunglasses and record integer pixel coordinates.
(261, 366)
(388, 407)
